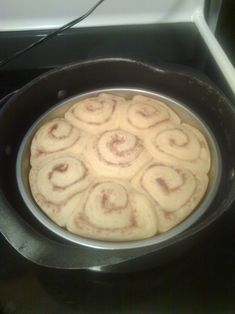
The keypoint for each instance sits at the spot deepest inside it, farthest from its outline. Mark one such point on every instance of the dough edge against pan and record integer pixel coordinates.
(83, 156)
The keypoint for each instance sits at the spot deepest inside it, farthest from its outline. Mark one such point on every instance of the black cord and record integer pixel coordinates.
(49, 36)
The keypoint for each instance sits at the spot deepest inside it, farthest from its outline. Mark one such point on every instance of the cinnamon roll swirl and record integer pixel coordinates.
(175, 191)
(57, 137)
(96, 114)
(113, 211)
(57, 184)
(142, 114)
(179, 145)
(118, 170)
(116, 153)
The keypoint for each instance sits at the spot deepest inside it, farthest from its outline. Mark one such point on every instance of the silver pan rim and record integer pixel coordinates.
(158, 239)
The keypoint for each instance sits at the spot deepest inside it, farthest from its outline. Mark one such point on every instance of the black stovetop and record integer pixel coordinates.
(200, 281)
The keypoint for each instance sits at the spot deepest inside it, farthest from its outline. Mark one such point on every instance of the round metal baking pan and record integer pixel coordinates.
(186, 114)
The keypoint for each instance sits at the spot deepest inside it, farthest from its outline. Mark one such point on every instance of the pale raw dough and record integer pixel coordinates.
(112, 211)
(57, 138)
(175, 191)
(119, 170)
(116, 153)
(142, 114)
(179, 145)
(56, 182)
(96, 114)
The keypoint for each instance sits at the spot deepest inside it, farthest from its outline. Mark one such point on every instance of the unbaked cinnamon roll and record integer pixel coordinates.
(96, 114)
(179, 145)
(116, 153)
(141, 114)
(175, 191)
(57, 184)
(113, 211)
(118, 170)
(57, 137)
